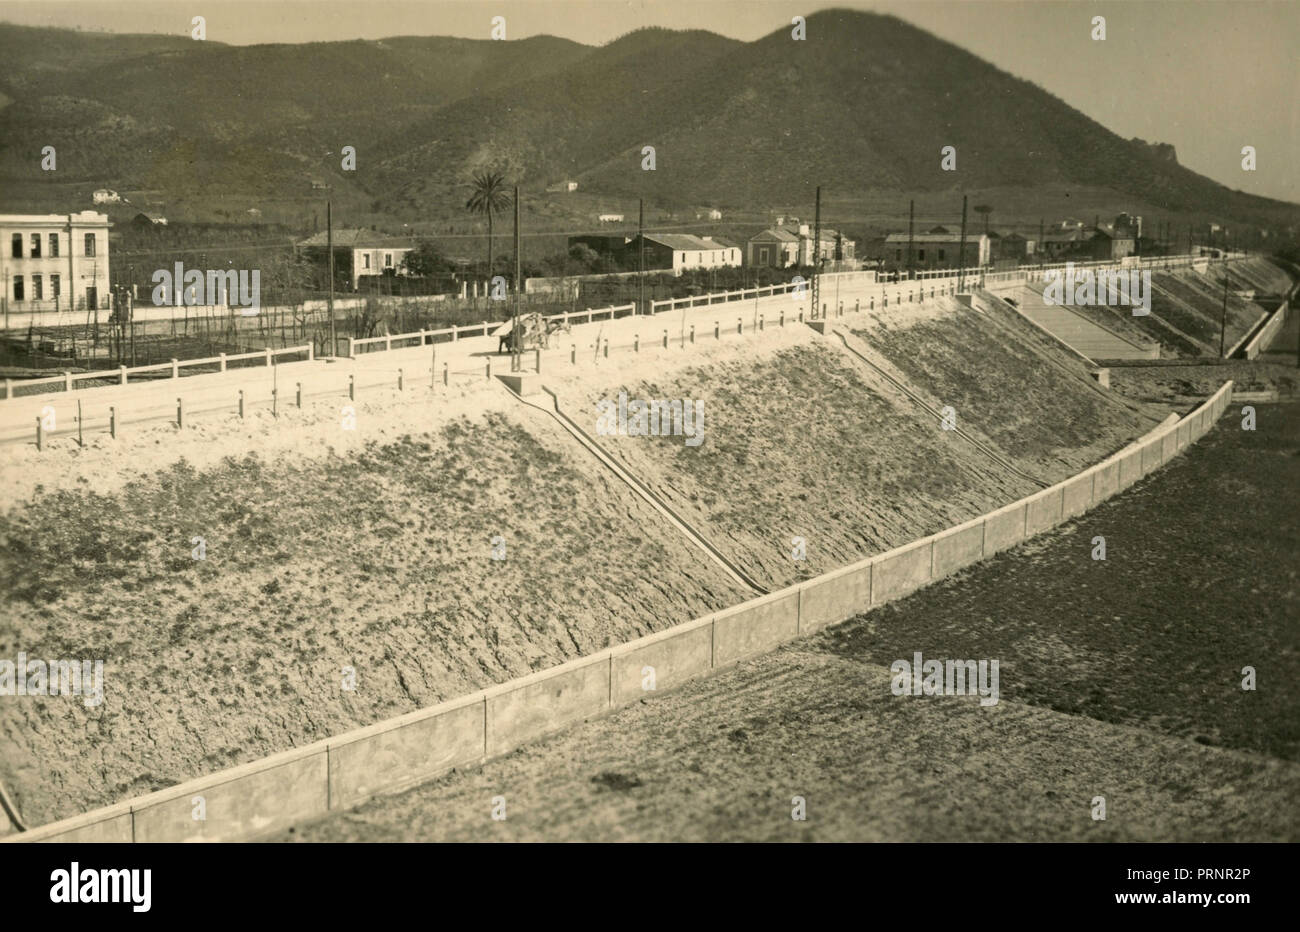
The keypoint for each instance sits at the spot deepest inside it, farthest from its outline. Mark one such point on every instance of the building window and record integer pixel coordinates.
(90, 244)
(18, 245)
(18, 288)
(38, 288)
(699, 259)
(54, 286)
(54, 245)
(388, 260)
(921, 254)
(941, 256)
(898, 255)
(365, 260)
(36, 247)
(683, 258)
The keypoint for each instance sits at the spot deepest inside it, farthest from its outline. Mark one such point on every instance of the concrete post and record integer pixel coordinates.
(176, 369)
(223, 362)
(67, 380)
(122, 375)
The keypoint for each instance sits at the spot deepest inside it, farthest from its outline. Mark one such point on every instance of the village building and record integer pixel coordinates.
(681, 252)
(54, 261)
(936, 251)
(783, 246)
(360, 254)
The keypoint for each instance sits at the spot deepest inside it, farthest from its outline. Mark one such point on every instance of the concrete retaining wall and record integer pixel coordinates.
(837, 596)
(544, 702)
(337, 773)
(756, 626)
(1004, 528)
(957, 548)
(901, 571)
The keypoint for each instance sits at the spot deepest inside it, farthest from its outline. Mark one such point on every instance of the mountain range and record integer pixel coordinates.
(864, 104)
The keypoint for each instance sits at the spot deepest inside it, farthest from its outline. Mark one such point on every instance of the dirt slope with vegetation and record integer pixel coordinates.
(376, 556)
(1013, 383)
(802, 440)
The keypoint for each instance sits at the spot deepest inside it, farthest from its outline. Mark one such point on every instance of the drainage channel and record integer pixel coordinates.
(1008, 466)
(595, 449)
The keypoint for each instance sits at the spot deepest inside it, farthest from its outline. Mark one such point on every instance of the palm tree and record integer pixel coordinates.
(489, 196)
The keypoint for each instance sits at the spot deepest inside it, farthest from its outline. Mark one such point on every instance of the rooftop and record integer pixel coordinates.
(357, 239)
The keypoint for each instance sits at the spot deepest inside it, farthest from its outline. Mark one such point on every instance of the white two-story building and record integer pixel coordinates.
(54, 262)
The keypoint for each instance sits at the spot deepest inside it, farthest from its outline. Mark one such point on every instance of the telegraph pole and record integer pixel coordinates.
(1223, 321)
(816, 256)
(961, 250)
(329, 246)
(640, 240)
(517, 338)
(911, 220)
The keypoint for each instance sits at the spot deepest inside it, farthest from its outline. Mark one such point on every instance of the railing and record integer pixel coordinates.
(453, 334)
(68, 379)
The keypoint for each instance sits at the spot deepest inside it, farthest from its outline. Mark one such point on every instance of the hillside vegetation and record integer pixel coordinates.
(735, 124)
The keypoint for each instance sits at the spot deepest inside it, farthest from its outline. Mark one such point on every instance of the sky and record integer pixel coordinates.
(1208, 76)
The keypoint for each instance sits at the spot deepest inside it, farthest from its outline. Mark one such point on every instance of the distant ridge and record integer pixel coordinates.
(864, 104)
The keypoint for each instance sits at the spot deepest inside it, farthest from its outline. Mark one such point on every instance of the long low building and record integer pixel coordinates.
(681, 252)
(934, 250)
(54, 262)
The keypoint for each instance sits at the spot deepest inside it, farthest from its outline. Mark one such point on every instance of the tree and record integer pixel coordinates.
(426, 261)
(489, 196)
(984, 209)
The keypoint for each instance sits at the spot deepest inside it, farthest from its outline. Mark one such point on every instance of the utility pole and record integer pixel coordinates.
(911, 221)
(961, 250)
(640, 240)
(1223, 321)
(1041, 245)
(517, 363)
(817, 255)
(329, 247)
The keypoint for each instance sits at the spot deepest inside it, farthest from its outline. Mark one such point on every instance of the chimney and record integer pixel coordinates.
(803, 229)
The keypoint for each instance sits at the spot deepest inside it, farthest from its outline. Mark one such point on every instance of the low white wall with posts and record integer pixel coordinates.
(336, 773)
(453, 334)
(67, 381)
